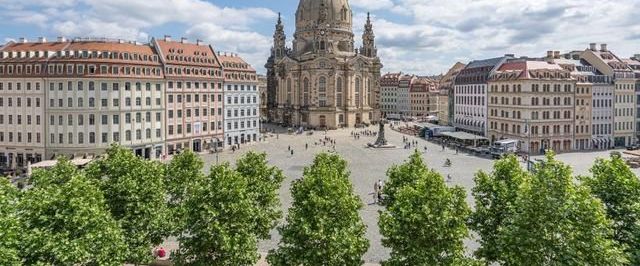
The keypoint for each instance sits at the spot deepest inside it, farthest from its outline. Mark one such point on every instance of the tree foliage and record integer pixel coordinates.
(425, 224)
(184, 174)
(558, 223)
(10, 227)
(136, 196)
(614, 183)
(66, 221)
(219, 222)
(323, 226)
(401, 175)
(264, 182)
(495, 195)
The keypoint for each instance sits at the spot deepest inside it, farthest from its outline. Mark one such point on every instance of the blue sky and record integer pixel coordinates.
(415, 36)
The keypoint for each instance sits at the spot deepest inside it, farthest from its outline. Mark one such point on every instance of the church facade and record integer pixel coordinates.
(323, 81)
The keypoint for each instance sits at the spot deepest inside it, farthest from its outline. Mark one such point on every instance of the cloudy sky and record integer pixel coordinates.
(417, 36)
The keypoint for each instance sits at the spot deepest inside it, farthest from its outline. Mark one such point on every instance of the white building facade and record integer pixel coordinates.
(242, 102)
(470, 95)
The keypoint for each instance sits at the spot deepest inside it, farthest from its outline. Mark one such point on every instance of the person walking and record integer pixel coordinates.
(376, 189)
(380, 187)
(306, 146)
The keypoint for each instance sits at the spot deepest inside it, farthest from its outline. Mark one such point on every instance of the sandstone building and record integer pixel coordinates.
(323, 81)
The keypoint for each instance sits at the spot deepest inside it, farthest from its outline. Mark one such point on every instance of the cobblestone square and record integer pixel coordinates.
(368, 165)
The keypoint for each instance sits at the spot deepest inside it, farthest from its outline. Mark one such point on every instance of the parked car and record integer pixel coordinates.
(633, 147)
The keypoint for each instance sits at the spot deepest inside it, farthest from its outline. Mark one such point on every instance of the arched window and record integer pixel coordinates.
(339, 92)
(289, 91)
(305, 87)
(357, 94)
(322, 91)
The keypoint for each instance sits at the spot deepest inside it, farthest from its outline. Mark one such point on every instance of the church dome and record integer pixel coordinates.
(336, 13)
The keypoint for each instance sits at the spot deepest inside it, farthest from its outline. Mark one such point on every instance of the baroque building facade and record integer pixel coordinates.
(323, 81)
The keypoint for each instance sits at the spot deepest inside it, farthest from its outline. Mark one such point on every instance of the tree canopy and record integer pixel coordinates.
(66, 221)
(614, 183)
(425, 224)
(10, 227)
(558, 223)
(136, 196)
(219, 222)
(323, 226)
(495, 195)
(264, 182)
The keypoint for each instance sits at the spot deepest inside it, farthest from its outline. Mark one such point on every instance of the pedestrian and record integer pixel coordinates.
(376, 189)
(380, 188)
(306, 146)
(289, 148)
(456, 150)
(291, 152)
(448, 177)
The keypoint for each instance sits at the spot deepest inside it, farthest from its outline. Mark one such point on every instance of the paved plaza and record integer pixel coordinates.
(369, 165)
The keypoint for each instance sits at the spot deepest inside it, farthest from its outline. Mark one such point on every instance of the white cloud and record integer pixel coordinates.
(372, 4)
(229, 28)
(433, 35)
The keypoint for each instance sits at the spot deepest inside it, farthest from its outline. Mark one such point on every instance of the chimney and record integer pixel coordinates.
(167, 38)
(42, 40)
(22, 40)
(549, 54)
(62, 39)
(509, 55)
(636, 56)
(120, 41)
(183, 40)
(199, 42)
(603, 47)
(556, 54)
(592, 46)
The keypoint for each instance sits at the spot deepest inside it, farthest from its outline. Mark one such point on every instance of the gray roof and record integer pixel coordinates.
(485, 62)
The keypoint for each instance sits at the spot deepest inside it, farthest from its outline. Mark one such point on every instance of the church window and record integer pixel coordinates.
(289, 91)
(305, 87)
(339, 92)
(322, 91)
(358, 89)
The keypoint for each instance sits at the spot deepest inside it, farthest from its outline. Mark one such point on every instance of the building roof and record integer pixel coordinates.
(34, 46)
(234, 62)
(110, 46)
(185, 53)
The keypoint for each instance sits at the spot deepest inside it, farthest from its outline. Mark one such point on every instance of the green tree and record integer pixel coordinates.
(401, 175)
(219, 222)
(426, 222)
(184, 173)
(495, 195)
(323, 226)
(10, 227)
(136, 197)
(265, 182)
(66, 221)
(614, 183)
(558, 223)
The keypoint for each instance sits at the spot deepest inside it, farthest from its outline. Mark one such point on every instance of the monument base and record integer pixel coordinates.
(386, 146)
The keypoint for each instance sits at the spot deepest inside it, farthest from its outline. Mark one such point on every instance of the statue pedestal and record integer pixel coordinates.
(381, 142)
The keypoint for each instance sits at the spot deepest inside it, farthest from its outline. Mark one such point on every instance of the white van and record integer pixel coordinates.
(505, 146)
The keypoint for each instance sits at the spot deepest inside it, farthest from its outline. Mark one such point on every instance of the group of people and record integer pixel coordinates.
(410, 144)
(368, 133)
(377, 191)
